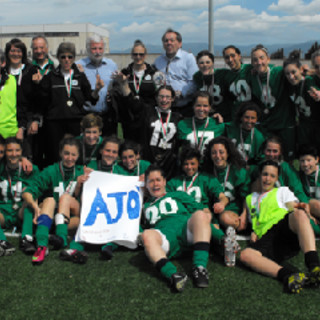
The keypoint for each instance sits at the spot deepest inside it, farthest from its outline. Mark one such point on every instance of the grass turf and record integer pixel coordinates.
(129, 287)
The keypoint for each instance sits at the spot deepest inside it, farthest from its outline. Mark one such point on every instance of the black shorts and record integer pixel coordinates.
(279, 243)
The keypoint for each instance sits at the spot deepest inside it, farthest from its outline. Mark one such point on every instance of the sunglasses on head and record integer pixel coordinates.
(63, 57)
(138, 54)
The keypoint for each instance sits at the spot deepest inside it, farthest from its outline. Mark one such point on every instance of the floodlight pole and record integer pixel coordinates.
(211, 6)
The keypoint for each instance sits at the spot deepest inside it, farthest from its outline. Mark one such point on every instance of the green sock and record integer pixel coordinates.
(201, 254)
(27, 224)
(112, 245)
(42, 235)
(76, 245)
(62, 231)
(2, 235)
(315, 227)
(168, 270)
(217, 234)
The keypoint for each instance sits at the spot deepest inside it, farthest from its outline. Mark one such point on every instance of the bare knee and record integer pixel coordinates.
(247, 255)
(229, 218)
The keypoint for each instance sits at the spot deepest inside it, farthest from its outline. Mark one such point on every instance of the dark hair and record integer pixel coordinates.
(308, 149)
(152, 168)
(139, 43)
(244, 107)
(294, 58)
(188, 153)
(66, 47)
(129, 145)
(2, 140)
(108, 139)
(204, 53)
(166, 87)
(13, 140)
(237, 50)
(314, 55)
(260, 47)
(202, 94)
(234, 156)
(169, 30)
(269, 163)
(91, 120)
(69, 141)
(15, 42)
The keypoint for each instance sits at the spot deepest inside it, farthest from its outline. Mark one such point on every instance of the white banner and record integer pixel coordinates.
(111, 209)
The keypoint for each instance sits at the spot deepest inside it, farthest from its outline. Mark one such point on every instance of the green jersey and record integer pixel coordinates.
(56, 179)
(99, 166)
(202, 187)
(171, 206)
(198, 132)
(235, 186)
(248, 143)
(141, 167)
(88, 153)
(271, 92)
(13, 182)
(311, 184)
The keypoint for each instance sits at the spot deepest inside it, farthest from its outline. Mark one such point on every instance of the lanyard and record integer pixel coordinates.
(137, 83)
(164, 127)
(13, 192)
(246, 155)
(185, 188)
(199, 145)
(266, 93)
(68, 188)
(258, 202)
(84, 153)
(226, 177)
(68, 83)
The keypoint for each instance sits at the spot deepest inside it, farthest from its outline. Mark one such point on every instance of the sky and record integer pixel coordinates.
(241, 22)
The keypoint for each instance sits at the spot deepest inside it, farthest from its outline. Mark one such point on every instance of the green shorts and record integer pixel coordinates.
(11, 216)
(175, 231)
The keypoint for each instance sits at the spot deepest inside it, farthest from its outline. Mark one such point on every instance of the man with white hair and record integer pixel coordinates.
(95, 64)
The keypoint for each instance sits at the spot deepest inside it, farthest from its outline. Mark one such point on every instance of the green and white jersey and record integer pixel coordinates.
(99, 166)
(198, 132)
(248, 143)
(168, 207)
(271, 92)
(141, 167)
(202, 187)
(13, 183)
(88, 153)
(56, 179)
(307, 108)
(311, 184)
(235, 185)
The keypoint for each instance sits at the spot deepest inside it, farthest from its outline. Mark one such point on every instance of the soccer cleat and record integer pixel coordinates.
(6, 248)
(295, 282)
(74, 256)
(178, 281)
(27, 245)
(200, 277)
(314, 277)
(106, 253)
(56, 242)
(231, 247)
(39, 255)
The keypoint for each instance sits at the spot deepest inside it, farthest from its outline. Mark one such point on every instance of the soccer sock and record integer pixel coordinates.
(166, 267)
(201, 254)
(42, 233)
(284, 273)
(2, 235)
(62, 231)
(76, 245)
(311, 259)
(315, 227)
(112, 245)
(217, 234)
(27, 224)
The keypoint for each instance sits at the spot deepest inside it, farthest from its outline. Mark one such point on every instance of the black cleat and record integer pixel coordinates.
(295, 282)
(200, 277)
(178, 281)
(106, 253)
(56, 242)
(6, 248)
(74, 256)
(27, 245)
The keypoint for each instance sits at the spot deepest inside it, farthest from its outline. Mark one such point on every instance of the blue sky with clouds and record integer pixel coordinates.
(239, 22)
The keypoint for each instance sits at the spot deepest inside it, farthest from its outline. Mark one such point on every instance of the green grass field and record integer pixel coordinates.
(128, 287)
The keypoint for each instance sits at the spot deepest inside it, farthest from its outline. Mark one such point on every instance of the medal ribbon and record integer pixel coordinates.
(68, 83)
(266, 96)
(12, 192)
(137, 83)
(164, 127)
(185, 188)
(199, 145)
(63, 177)
(242, 143)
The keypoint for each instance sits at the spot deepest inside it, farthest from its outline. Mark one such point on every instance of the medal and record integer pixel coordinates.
(136, 97)
(69, 103)
(68, 85)
(15, 206)
(266, 111)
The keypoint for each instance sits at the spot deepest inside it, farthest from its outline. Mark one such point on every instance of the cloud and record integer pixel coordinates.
(296, 7)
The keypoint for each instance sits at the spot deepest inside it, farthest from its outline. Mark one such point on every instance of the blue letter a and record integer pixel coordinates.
(98, 206)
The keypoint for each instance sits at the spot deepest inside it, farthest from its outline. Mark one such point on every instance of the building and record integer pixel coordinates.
(55, 33)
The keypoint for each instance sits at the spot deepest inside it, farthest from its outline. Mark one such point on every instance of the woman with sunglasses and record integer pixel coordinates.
(137, 90)
(63, 92)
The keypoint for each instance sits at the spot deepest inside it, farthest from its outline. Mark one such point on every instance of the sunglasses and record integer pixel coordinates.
(63, 57)
(138, 54)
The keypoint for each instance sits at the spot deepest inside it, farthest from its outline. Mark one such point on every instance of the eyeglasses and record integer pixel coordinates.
(63, 57)
(138, 54)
